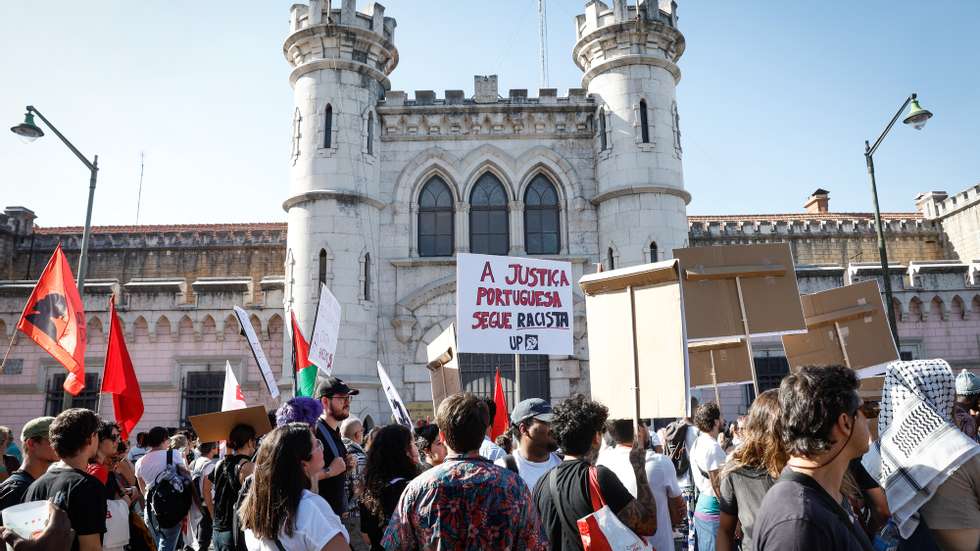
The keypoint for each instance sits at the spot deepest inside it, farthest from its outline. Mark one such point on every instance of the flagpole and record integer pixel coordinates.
(3, 364)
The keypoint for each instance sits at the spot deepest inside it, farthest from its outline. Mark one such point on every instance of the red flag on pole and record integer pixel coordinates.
(55, 319)
(500, 420)
(119, 378)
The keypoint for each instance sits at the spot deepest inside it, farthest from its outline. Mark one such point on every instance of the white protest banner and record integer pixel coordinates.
(326, 327)
(394, 400)
(257, 353)
(513, 305)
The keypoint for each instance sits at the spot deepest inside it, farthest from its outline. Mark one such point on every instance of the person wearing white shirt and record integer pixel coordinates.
(534, 454)
(707, 459)
(661, 477)
(489, 450)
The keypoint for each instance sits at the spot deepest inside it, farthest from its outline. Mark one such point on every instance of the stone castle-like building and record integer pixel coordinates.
(385, 189)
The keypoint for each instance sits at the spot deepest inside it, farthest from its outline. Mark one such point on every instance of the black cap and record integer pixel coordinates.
(331, 386)
(532, 408)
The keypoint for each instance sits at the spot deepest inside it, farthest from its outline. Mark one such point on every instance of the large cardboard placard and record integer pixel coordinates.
(326, 328)
(730, 358)
(659, 340)
(214, 427)
(513, 305)
(845, 326)
(443, 366)
(769, 291)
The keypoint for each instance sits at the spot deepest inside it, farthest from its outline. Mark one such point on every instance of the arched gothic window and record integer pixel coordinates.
(653, 251)
(489, 232)
(323, 267)
(541, 212)
(610, 260)
(436, 219)
(644, 126)
(327, 126)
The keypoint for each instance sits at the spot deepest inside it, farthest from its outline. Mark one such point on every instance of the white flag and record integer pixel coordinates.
(232, 397)
(257, 353)
(394, 400)
(326, 326)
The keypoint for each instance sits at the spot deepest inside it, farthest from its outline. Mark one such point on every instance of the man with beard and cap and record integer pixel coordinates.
(967, 399)
(335, 396)
(534, 451)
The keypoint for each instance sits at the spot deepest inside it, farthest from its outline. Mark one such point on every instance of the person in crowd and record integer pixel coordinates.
(38, 456)
(466, 502)
(74, 437)
(822, 428)
(301, 409)
(104, 461)
(488, 449)
(678, 440)
(200, 520)
(140, 449)
(9, 454)
(56, 536)
(927, 465)
(967, 400)
(562, 494)
(391, 464)
(534, 454)
(181, 444)
(707, 459)
(279, 511)
(752, 470)
(352, 434)
(661, 477)
(370, 437)
(11, 447)
(335, 396)
(506, 443)
(432, 450)
(148, 469)
(654, 443)
(227, 479)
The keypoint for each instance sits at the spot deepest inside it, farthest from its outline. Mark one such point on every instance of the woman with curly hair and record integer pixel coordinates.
(752, 470)
(392, 462)
(431, 448)
(279, 510)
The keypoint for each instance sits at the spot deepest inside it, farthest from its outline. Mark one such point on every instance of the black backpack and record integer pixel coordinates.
(675, 446)
(171, 495)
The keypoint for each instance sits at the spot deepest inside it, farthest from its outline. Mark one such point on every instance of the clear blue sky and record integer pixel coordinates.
(775, 101)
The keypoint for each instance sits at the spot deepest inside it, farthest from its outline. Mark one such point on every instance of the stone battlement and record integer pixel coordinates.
(599, 15)
(706, 227)
(938, 204)
(320, 12)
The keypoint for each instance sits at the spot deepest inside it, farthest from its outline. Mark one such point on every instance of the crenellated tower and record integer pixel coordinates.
(340, 60)
(628, 53)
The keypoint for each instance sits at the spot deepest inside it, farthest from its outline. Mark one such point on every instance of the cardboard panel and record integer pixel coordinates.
(215, 427)
(731, 359)
(661, 346)
(443, 366)
(858, 309)
(771, 294)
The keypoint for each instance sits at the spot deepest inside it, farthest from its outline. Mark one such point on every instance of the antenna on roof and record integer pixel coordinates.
(543, 37)
(139, 193)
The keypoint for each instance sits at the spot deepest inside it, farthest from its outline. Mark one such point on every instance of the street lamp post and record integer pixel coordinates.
(28, 131)
(916, 118)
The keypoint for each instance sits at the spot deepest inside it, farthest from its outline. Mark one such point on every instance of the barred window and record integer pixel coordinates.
(201, 393)
(489, 231)
(55, 403)
(436, 226)
(541, 217)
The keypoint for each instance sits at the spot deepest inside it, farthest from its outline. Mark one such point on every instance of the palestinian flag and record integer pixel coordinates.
(305, 370)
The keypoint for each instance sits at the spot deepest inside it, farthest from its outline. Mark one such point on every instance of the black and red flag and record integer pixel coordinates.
(55, 319)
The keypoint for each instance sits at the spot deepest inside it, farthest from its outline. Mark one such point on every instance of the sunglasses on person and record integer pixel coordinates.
(344, 397)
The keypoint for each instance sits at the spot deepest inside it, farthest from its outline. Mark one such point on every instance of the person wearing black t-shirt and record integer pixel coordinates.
(74, 437)
(38, 456)
(392, 462)
(562, 494)
(335, 396)
(227, 479)
(823, 429)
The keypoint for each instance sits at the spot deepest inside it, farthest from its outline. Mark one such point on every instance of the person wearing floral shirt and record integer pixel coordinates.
(467, 502)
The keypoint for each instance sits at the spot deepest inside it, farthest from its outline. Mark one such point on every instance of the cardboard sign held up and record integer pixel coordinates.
(846, 326)
(728, 357)
(769, 292)
(637, 344)
(214, 427)
(443, 366)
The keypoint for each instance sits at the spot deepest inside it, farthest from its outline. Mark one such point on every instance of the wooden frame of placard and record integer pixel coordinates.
(443, 366)
(709, 347)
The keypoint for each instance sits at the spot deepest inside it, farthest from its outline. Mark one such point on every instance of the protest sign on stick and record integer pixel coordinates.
(253, 343)
(637, 340)
(740, 291)
(513, 305)
(719, 362)
(845, 326)
(443, 366)
(326, 328)
(398, 410)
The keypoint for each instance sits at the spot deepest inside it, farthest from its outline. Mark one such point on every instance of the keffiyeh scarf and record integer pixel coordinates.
(919, 445)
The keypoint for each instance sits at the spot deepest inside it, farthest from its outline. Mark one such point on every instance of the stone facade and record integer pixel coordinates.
(959, 217)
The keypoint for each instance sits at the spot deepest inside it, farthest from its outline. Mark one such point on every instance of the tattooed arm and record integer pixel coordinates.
(641, 513)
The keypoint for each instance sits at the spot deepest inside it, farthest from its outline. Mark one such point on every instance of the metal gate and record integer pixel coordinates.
(476, 372)
(201, 392)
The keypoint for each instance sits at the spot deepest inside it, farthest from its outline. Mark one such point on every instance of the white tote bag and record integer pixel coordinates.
(117, 525)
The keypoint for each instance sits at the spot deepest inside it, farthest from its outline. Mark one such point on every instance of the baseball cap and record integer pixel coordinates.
(535, 408)
(35, 428)
(331, 386)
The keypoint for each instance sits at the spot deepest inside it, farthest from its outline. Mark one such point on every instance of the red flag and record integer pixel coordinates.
(55, 319)
(500, 421)
(119, 378)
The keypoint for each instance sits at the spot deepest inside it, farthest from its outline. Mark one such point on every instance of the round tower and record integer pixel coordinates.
(340, 62)
(629, 54)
